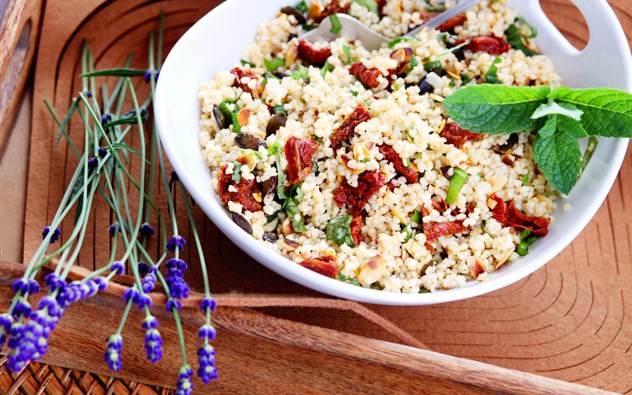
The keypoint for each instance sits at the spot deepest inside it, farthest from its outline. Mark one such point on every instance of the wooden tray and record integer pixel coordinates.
(567, 321)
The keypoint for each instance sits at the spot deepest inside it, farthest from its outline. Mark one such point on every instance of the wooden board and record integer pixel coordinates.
(566, 321)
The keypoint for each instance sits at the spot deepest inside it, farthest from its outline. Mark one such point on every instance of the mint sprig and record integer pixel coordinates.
(560, 117)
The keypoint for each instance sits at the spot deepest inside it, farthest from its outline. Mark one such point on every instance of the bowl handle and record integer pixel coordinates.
(606, 59)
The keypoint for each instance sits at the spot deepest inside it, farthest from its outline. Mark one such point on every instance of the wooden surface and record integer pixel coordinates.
(566, 321)
(264, 356)
(20, 22)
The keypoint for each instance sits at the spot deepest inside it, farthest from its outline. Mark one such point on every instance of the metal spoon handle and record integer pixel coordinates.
(445, 16)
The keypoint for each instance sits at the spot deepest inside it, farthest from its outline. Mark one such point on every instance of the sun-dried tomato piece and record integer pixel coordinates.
(439, 204)
(356, 229)
(241, 73)
(452, 23)
(299, 153)
(313, 56)
(491, 44)
(392, 156)
(435, 230)
(500, 210)
(367, 76)
(356, 198)
(457, 136)
(244, 194)
(347, 128)
(333, 8)
(325, 265)
(519, 220)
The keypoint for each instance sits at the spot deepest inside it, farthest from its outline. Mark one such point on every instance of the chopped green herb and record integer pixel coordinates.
(274, 64)
(336, 26)
(526, 239)
(396, 86)
(465, 79)
(367, 104)
(302, 6)
(290, 206)
(490, 76)
(525, 179)
(309, 26)
(432, 66)
(349, 280)
(318, 139)
(418, 155)
(516, 40)
(370, 5)
(443, 37)
(339, 230)
(365, 160)
(237, 172)
(247, 63)
(225, 106)
(354, 93)
(417, 217)
(452, 84)
(398, 40)
(414, 62)
(410, 234)
(275, 149)
(301, 73)
(328, 67)
(279, 109)
(347, 51)
(459, 179)
(406, 162)
(410, 137)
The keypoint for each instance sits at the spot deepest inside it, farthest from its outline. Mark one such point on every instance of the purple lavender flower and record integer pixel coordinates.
(184, 385)
(147, 76)
(55, 236)
(88, 94)
(174, 176)
(208, 303)
(150, 322)
(118, 268)
(55, 282)
(113, 355)
(22, 341)
(114, 229)
(146, 230)
(142, 300)
(207, 332)
(101, 283)
(206, 358)
(173, 304)
(149, 281)
(143, 268)
(106, 118)
(176, 241)
(153, 345)
(25, 285)
(178, 288)
(102, 152)
(21, 308)
(93, 162)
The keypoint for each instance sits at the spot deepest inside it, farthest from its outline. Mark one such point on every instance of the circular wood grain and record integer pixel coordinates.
(570, 320)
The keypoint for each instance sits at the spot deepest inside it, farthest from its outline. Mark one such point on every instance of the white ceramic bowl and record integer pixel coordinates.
(215, 43)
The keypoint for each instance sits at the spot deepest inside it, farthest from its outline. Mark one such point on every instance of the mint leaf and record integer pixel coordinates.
(274, 64)
(294, 214)
(339, 230)
(607, 112)
(553, 107)
(496, 109)
(491, 76)
(557, 152)
(336, 26)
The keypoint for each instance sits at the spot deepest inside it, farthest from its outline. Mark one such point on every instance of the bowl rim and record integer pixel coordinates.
(296, 273)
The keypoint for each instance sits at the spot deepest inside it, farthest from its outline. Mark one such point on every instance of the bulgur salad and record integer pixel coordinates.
(345, 161)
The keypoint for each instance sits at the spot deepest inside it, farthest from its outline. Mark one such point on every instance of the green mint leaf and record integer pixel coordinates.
(370, 5)
(274, 64)
(302, 6)
(328, 67)
(336, 26)
(491, 76)
(244, 62)
(496, 109)
(339, 230)
(557, 153)
(294, 214)
(607, 112)
(553, 107)
(398, 40)
(345, 279)
(301, 73)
